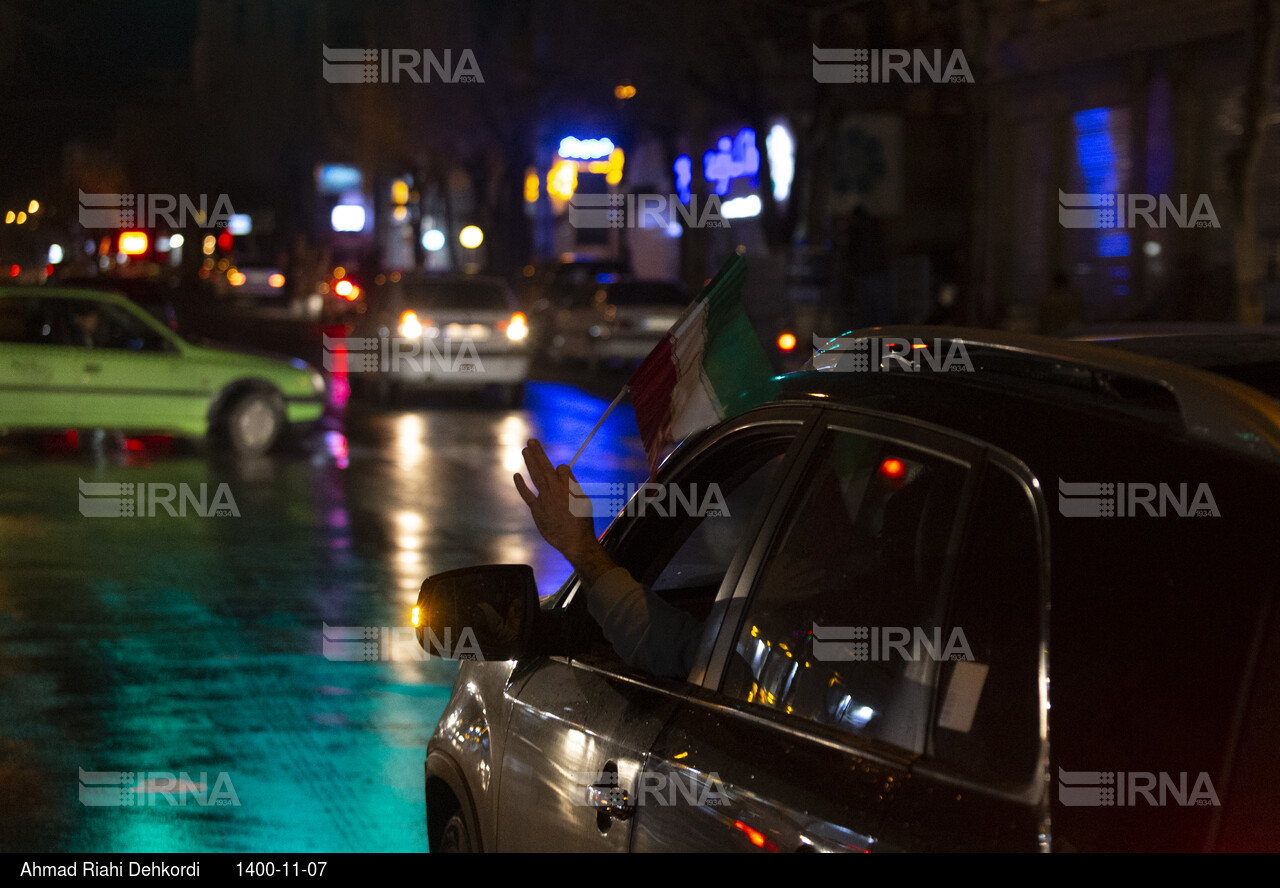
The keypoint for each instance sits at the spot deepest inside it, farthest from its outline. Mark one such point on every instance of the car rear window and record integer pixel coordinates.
(449, 294)
(647, 294)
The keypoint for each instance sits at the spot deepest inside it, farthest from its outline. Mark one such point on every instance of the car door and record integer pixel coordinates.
(37, 376)
(982, 782)
(130, 374)
(590, 720)
(818, 698)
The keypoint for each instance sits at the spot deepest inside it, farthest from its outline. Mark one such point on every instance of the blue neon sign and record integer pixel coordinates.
(585, 149)
(732, 159)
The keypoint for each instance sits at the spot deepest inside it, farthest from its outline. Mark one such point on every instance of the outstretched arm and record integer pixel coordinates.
(645, 630)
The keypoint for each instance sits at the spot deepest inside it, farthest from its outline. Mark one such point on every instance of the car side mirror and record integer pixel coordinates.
(479, 613)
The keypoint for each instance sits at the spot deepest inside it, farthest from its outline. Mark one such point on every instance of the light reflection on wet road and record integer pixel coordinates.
(193, 644)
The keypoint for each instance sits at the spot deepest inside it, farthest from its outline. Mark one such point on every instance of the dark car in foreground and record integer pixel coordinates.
(1022, 599)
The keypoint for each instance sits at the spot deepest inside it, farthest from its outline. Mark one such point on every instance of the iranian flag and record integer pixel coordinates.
(708, 367)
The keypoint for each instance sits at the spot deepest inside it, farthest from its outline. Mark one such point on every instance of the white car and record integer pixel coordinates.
(442, 333)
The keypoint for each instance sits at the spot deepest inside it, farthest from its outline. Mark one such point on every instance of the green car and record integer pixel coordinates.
(84, 359)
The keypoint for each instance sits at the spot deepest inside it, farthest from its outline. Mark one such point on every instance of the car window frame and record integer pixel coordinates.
(946, 444)
(172, 343)
(1035, 789)
(803, 420)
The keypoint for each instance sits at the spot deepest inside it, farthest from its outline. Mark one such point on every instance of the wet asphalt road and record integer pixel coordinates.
(192, 647)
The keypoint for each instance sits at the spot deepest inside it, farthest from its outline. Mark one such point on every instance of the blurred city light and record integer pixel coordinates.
(55, 254)
(624, 91)
(471, 237)
(175, 241)
(741, 207)
(562, 180)
(347, 217)
(531, 186)
(133, 243)
(208, 246)
(611, 168)
(433, 239)
(33, 207)
(410, 326)
(585, 149)
(276, 280)
(22, 217)
(9, 217)
(782, 164)
(733, 158)
(239, 224)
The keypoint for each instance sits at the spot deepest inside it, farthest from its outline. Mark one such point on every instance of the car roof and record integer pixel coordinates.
(1012, 368)
(104, 295)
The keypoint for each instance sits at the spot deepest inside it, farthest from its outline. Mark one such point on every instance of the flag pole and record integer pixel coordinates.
(600, 422)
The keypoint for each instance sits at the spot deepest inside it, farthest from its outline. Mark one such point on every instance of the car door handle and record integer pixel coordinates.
(610, 801)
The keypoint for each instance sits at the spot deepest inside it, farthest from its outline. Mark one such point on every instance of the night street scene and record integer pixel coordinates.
(713, 426)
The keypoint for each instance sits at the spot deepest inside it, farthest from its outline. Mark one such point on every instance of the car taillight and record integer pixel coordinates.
(410, 326)
(517, 328)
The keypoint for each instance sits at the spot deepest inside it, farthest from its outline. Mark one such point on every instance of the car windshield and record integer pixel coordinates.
(647, 293)
(460, 294)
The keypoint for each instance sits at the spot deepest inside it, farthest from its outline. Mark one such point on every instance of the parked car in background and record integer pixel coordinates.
(1072, 547)
(445, 332)
(618, 321)
(86, 359)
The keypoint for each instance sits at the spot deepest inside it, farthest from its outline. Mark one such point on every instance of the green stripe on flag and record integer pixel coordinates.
(735, 364)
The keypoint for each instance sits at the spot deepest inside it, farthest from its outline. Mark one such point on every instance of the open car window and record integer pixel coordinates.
(686, 532)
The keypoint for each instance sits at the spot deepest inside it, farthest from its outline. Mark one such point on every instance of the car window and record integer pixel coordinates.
(92, 324)
(22, 320)
(987, 726)
(844, 627)
(685, 537)
(647, 293)
(446, 294)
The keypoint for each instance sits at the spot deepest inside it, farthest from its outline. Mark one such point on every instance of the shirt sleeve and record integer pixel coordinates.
(647, 632)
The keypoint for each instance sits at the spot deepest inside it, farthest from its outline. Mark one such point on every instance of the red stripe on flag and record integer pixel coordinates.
(651, 388)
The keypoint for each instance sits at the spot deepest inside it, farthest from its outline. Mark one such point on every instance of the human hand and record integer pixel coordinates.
(571, 535)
